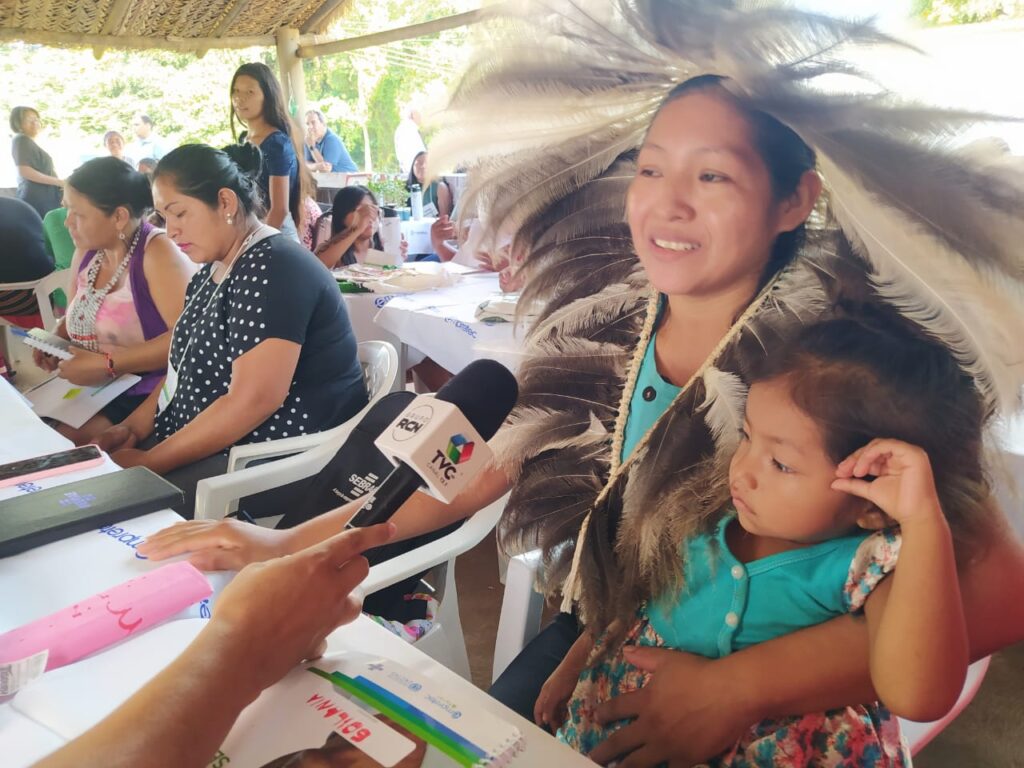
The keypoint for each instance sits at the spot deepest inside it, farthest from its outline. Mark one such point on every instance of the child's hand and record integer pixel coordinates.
(550, 707)
(903, 486)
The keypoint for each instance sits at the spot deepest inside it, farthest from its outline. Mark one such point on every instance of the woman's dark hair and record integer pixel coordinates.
(346, 200)
(111, 183)
(18, 117)
(275, 112)
(869, 377)
(785, 154)
(200, 171)
(412, 172)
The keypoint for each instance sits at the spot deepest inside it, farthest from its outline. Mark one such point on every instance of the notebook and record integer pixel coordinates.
(350, 701)
(50, 343)
(75, 404)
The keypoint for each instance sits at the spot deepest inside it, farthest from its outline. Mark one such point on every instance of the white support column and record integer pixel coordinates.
(292, 78)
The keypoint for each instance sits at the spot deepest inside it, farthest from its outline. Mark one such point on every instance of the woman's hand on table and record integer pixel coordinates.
(686, 714)
(281, 611)
(85, 368)
(217, 545)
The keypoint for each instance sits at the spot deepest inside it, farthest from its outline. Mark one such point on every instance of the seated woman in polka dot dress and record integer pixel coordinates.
(263, 348)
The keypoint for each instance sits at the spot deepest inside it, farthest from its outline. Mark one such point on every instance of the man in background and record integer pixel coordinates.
(408, 142)
(324, 150)
(147, 143)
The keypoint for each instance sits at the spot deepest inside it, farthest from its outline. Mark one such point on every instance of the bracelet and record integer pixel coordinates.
(110, 366)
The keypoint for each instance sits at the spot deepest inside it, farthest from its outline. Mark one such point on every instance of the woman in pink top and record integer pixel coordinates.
(128, 288)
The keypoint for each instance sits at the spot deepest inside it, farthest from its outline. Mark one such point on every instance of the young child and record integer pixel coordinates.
(832, 480)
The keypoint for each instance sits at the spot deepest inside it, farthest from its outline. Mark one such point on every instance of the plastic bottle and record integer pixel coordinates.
(391, 235)
(416, 198)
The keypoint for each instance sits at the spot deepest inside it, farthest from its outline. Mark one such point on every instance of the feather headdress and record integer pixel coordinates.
(563, 89)
(547, 121)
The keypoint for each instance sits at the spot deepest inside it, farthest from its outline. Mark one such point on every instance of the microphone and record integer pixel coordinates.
(441, 441)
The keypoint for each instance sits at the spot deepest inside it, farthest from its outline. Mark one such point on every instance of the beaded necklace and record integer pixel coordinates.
(571, 586)
(81, 323)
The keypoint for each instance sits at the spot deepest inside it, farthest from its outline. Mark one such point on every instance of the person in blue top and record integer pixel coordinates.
(258, 102)
(821, 509)
(324, 151)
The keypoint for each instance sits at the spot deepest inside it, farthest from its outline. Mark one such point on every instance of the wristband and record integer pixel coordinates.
(110, 366)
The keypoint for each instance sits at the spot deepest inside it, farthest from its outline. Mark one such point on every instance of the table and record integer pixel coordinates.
(439, 324)
(442, 324)
(39, 582)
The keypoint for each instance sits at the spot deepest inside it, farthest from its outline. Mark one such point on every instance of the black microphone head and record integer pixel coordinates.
(485, 391)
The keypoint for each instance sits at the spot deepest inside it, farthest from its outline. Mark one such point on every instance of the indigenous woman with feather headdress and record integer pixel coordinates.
(664, 282)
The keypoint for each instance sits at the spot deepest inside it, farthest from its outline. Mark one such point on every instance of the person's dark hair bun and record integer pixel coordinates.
(111, 183)
(199, 171)
(247, 157)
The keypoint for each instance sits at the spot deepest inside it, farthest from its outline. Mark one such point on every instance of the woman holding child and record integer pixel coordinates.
(632, 402)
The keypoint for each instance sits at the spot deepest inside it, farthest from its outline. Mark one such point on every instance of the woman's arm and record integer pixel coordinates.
(260, 380)
(331, 251)
(168, 272)
(31, 174)
(270, 618)
(278, 201)
(229, 544)
(444, 198)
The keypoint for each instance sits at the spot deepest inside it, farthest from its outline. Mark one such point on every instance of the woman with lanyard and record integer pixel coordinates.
(258, 102)
(128, 288)
(263, 348)
(632, 393)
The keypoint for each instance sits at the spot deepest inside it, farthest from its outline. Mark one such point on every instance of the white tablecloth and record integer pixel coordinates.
(442, 325)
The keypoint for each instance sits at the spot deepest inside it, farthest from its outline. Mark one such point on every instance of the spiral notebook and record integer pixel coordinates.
(50, 343)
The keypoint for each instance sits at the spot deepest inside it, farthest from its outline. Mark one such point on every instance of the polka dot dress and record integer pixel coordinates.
(220, 323)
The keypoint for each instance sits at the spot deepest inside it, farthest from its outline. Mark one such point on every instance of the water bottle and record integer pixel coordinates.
(391, 235)
(416, 197)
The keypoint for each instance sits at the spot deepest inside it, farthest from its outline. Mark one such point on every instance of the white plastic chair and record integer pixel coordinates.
(444, 642)
(520, 619)
(306, 455)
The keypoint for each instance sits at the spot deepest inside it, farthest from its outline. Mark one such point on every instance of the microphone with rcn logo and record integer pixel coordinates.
(440, 442)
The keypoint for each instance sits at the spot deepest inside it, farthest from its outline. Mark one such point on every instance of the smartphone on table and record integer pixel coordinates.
(38, 467)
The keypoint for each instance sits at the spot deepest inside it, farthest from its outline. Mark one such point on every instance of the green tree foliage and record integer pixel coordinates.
(80, 97)
(966, 11)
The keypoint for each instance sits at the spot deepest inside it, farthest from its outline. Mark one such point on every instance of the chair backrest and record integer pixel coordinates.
(380, 368)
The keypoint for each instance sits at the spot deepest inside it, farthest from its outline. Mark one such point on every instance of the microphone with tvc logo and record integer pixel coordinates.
(441, 442)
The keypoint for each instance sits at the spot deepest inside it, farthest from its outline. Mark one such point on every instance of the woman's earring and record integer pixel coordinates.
(121, 236)
(228, 217)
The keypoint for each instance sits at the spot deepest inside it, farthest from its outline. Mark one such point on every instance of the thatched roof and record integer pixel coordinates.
(177, 24)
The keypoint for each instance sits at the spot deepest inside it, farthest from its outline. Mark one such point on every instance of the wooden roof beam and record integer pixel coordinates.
(232, 16)
(115, 17)
(320, 15)
(187, 44)
(393, 35)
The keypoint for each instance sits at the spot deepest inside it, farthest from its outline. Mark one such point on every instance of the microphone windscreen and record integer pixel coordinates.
(485, 391)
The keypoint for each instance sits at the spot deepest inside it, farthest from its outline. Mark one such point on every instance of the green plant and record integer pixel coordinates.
(389, 189)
